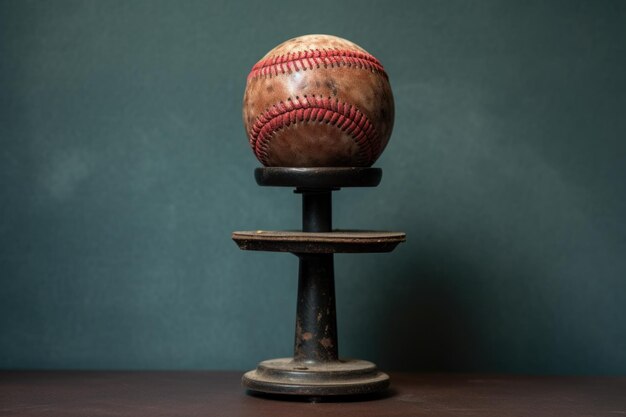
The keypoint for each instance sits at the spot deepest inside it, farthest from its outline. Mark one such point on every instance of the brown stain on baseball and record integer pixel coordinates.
(332, 86)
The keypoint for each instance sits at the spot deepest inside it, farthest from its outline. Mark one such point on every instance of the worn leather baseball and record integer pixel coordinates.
(318, 101)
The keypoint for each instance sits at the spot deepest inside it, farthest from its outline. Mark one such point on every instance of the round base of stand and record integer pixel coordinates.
(342, 377)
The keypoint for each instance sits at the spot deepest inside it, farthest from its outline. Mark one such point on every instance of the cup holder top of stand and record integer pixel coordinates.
(319, 177)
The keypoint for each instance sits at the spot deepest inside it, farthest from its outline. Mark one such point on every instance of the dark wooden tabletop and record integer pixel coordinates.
(220, 394)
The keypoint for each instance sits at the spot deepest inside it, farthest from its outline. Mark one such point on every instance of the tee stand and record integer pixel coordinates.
(315, 369)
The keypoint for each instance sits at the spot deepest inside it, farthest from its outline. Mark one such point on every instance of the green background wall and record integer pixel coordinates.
(124, 168)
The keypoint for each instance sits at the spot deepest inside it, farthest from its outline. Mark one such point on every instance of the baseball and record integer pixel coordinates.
(318, 101)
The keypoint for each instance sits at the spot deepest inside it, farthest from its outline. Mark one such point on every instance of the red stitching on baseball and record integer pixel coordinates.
(314, 58)
(308, 109)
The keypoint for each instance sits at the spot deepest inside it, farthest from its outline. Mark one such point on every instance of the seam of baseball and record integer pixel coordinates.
(306, 109)
(315, 58)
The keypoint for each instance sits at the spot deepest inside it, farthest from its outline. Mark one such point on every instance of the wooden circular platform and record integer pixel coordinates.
(339, 241)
